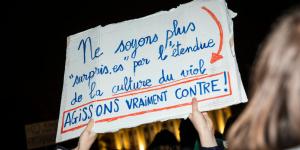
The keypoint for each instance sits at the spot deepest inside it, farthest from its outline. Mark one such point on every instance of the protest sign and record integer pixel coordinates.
(149, 69)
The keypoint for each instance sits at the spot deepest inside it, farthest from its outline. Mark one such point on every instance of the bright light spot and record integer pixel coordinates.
(141, 146)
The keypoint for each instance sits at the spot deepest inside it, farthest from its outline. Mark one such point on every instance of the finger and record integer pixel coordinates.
(206, 116)
(194, 105)
(90, 125)
(208, 120)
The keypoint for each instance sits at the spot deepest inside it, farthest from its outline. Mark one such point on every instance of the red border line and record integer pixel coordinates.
(155, 109)
(131, 92)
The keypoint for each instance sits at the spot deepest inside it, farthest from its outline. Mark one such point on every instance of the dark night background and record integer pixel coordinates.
(36, 33)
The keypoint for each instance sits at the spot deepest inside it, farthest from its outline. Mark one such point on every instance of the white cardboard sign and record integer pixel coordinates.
(149, 69)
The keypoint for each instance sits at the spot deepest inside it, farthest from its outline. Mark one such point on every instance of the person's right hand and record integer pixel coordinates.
(203, 125)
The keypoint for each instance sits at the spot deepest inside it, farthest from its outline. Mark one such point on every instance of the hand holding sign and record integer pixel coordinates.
(203, 125)
(87, 137)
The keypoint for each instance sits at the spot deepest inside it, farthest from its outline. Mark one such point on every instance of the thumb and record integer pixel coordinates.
(90, 125)
(194, 105)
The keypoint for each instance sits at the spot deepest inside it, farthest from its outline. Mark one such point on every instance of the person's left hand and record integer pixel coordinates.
(203, 125)
(87, 137)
